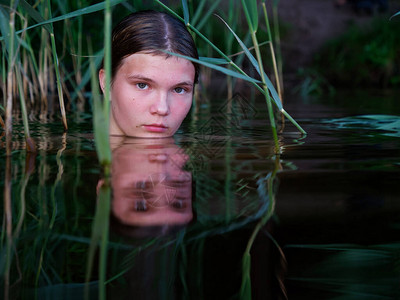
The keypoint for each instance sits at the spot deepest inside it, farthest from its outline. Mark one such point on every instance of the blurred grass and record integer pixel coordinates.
(363, 56)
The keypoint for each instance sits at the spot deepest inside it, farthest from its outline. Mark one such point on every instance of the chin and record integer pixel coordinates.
(151, 135)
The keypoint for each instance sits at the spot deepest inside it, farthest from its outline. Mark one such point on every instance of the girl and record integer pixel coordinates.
(151, 91)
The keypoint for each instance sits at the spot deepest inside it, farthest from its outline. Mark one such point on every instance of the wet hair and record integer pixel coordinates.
(151, 32)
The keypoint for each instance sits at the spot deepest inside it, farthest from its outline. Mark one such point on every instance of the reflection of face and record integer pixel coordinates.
(149, 185)
(151, 95)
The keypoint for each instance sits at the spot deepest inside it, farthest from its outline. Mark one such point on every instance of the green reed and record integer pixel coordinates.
(9, 34)
(35, 72)
(273, 57)
(57, 70)
(277, 40)
(101, 112)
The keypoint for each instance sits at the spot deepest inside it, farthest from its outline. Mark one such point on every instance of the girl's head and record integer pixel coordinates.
(151, 32)
(151, 91)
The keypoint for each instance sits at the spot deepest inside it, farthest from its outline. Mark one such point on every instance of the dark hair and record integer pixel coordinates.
(151, 32)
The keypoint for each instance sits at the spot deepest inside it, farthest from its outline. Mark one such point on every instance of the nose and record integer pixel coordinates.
(160, 105)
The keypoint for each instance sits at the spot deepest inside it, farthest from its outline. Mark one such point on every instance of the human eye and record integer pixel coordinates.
(182, 90)
(142, 86)
(179, 90)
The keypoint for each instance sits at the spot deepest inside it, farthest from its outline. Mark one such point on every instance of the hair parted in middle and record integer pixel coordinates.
(151, 32)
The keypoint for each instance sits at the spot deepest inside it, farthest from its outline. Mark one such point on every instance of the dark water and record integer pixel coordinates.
(212, 213)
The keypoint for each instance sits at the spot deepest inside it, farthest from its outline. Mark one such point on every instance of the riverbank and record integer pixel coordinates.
(312, 23)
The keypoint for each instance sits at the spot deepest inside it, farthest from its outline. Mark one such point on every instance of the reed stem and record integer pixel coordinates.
(57, 71)
(267, 96)
(107, 59)
(30, 145)
(253, 31)
(277, 40)
(11, 60)
(274, 63)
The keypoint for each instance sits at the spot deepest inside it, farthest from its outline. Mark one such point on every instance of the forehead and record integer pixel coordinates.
(157, 65)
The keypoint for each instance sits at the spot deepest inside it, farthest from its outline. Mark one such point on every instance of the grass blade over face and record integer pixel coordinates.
(215, 67)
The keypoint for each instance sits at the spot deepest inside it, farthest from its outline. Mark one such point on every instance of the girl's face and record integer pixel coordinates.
(150, 95)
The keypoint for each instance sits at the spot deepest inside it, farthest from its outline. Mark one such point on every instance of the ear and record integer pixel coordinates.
(99, 185)
(102, 78)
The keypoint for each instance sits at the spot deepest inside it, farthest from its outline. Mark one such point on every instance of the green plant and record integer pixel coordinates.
(365, 55)
(31, 70)
(265, 86)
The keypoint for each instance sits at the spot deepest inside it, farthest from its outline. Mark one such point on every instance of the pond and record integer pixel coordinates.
(211, 213)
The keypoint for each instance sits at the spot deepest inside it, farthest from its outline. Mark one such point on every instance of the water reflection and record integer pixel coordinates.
(172, 247)
(152, 193)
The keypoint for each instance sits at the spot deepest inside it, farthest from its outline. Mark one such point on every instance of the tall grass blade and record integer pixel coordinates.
(213, 60)
(206, 16)
(57, 71)
(251, 13)
(11, 47)
(100, 121)
(255, 64)
(277, 77)
(185, 11)
(33, 13)
(277, 41)
(170, 11)
(198, 14)
(5, 28)
(30, 144)
(83, 11)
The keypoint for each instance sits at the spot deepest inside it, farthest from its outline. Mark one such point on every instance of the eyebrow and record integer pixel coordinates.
(147, 79)
(140, 77)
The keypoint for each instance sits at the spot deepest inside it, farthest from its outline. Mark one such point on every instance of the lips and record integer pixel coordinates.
(155, 128)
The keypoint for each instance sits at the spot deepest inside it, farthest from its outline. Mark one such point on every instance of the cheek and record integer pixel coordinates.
(125, 101)
(182, 108)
